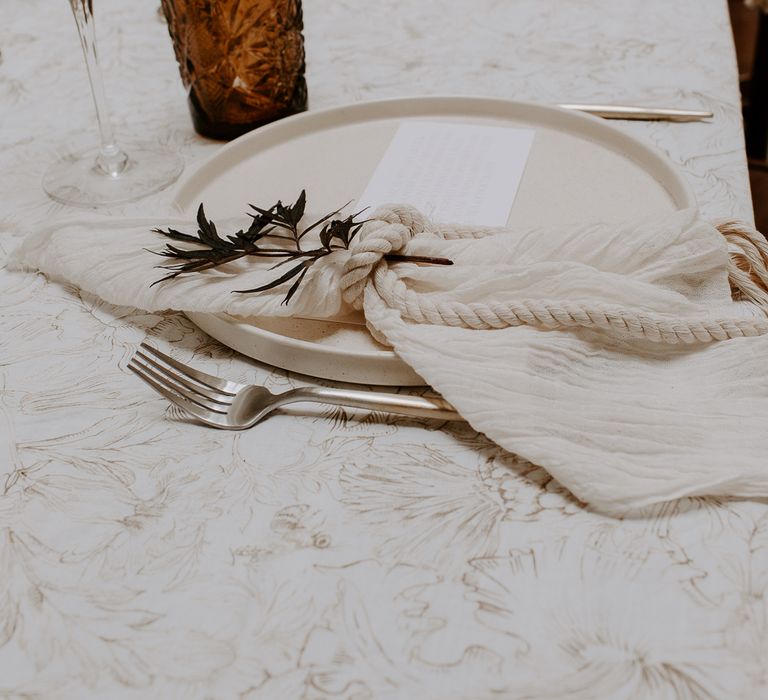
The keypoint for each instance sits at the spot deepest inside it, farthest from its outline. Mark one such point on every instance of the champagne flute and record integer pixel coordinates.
(106, 175)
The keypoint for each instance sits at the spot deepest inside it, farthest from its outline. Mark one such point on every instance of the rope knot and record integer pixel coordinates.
(393, 227)
(388, 231)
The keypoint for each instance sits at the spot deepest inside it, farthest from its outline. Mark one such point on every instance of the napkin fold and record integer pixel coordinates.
(628, 360)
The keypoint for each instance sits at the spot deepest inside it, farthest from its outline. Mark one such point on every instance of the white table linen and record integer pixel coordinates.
(318, 555)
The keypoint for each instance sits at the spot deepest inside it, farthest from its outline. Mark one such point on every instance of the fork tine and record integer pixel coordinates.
(168, 381)
(198, 389)
(208, 380)
(203, 415)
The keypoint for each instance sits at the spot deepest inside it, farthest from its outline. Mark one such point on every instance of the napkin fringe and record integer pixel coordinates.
(747, 262)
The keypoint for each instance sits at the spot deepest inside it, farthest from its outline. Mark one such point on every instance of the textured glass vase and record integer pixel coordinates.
(242, 61)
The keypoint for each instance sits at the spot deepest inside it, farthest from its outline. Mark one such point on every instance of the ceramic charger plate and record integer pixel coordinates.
(580, 169)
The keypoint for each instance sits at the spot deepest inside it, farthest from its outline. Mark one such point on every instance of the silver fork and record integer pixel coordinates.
(234, 406)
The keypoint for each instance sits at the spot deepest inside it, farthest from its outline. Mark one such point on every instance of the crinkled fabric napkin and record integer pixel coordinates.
(630, 361)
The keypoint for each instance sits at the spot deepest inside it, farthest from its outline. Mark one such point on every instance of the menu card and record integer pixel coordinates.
(451, 172)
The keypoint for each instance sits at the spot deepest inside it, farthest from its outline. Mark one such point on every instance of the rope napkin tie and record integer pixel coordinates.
(394, 227)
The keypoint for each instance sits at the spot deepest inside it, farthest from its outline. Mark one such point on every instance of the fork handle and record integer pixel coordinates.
(404, 404)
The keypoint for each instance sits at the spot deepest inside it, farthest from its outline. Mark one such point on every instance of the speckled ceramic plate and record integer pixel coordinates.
(580, 169)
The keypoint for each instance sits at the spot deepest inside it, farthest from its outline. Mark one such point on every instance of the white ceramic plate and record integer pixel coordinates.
(580, 169)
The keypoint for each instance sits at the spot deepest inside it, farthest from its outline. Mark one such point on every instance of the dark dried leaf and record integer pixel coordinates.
(296, 212)
(317, 223)
(176, 235)
(295, 285)
(208, 233)
(276, 283)
(325, 237)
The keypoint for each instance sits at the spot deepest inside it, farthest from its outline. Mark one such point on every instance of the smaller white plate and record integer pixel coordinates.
(580, 169)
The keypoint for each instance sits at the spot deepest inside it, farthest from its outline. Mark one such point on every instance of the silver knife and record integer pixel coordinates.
(641, 113)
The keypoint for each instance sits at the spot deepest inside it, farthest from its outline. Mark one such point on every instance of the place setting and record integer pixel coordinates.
(445, 223)
(531, 291)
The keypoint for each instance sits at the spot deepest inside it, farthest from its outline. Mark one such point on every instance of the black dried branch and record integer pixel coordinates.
(278, 225)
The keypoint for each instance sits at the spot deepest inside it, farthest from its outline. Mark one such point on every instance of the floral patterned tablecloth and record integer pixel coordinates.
(323, 554)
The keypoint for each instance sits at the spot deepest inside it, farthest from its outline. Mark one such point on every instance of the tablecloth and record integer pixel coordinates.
(325, 553)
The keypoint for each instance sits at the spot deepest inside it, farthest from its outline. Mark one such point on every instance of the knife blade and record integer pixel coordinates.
(641, 113)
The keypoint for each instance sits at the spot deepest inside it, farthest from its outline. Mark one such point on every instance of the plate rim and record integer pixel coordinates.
(263, 132)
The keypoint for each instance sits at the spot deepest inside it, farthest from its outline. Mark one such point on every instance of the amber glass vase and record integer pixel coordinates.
(242, 61)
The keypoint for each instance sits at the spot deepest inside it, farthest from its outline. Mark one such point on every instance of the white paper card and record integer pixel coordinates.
(457, 173)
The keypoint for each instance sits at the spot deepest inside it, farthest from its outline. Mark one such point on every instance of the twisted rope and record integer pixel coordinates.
(392, 228)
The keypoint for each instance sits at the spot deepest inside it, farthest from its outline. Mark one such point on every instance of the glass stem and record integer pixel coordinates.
(111, 159)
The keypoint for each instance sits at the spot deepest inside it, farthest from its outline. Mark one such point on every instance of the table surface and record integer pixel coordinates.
(320, 555)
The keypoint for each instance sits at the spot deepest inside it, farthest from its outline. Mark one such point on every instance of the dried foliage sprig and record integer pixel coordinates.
(278, 223)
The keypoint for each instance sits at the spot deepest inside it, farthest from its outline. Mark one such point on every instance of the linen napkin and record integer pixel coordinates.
(629, 361)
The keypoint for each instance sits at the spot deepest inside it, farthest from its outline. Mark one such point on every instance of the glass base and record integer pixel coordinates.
(78, 180)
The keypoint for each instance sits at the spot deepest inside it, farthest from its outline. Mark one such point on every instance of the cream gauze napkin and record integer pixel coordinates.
(631, 361)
